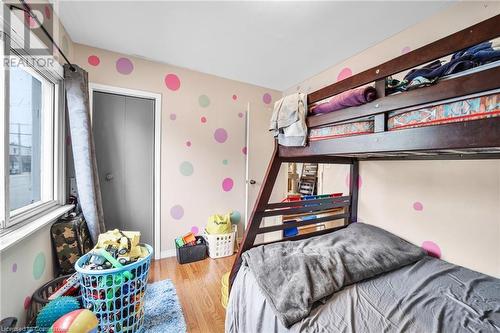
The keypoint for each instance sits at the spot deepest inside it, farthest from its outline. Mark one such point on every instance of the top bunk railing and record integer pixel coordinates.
(450, 139)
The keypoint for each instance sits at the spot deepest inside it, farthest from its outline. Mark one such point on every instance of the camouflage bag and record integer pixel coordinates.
(70, 240)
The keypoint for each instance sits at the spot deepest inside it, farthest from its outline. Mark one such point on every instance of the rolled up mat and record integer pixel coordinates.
(353, 97)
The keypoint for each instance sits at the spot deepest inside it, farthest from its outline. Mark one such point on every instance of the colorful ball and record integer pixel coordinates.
(55, 309)
(78, 321)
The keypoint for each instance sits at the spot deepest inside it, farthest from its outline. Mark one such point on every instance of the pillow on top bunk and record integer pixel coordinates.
(293, 275)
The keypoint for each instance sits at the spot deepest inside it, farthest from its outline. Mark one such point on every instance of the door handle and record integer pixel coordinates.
(252, 182)
(109, 177)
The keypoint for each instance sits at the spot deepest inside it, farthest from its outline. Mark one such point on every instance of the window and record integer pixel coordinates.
(34, 155)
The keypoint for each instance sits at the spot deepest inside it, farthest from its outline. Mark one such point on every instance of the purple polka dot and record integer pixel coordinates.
(177, 212)
(188, 143)
(417, 205)
(244, 150)
(227, 184)
(48, 12)
(405, 49)
(172, 82)
(432, 249)
(240, 114)
(235, 97)
(348, 181)
(220, 135)
(124, 66)
(93, 60)
(203, 119)
(266, 98)
(344, 73)
(173, 116)
(14, 268)
(27, 302)
(194, 230)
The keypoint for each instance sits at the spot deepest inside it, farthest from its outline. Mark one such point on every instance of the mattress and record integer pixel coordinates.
(430, 295)
(339, 130)
(457, 111)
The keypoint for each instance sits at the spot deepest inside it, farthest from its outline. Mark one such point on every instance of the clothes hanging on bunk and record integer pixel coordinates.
(353, 97)
(288, 122)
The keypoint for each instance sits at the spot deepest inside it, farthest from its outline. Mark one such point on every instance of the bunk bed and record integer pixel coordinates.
(390, 128)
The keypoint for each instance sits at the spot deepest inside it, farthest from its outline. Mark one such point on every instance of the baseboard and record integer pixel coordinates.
(167, 253)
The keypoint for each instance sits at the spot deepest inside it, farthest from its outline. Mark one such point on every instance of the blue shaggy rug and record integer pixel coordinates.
(163, 311)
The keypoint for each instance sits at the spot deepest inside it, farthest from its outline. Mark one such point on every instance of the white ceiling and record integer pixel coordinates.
(270, 44)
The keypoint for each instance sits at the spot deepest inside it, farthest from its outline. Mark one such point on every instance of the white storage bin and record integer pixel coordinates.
(221, 245)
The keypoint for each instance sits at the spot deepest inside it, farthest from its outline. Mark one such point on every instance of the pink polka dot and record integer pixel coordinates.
(227, 184)
(172, 82)
(93, 60)
(177, 212)
(194, 229)
(27, 302)
(14, 268)
(188, 143)
(432, 249)
(30, 21)
(173, 116)
(266, 98)
(48, 12)
(344, 73)
(235, 97)
(244, 150)
(240, 114)
(124, 66)
(405, 49)
(417, 205)
(220, 135)
(348, 181)
(203, 119)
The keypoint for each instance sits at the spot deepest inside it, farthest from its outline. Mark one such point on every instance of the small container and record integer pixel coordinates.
(221, 245)
(191, 253)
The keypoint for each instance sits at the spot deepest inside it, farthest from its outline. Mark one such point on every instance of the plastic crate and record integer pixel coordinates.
(191, 253)
(116, 295)
(221, 245)
(40, 298)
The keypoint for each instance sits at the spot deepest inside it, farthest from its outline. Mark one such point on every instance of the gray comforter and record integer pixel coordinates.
(293, 276)
(428, 296)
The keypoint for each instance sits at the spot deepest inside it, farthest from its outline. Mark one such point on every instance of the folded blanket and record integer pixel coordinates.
(293, 275)
(353, 97)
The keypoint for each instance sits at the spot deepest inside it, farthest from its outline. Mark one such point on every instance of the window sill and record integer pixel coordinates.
(15, 236)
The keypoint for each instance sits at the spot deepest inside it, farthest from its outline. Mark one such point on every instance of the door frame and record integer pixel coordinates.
(96, 87)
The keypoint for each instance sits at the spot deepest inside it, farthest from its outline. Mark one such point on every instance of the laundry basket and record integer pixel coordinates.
(221, 245)
(116, 295)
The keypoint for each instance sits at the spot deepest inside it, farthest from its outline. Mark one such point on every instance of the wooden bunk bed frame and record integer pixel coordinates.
(475, 139)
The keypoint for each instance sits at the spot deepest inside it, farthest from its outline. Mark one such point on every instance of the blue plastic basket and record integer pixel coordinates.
(116, 299)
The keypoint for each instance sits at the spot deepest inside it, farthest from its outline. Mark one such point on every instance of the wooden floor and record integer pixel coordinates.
(198, 286)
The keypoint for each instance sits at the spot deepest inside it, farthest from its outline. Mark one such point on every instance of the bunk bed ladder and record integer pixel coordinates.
(308, 179)
(264, 209)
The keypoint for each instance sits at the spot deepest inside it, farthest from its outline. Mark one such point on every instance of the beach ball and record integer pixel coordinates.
(78, 321)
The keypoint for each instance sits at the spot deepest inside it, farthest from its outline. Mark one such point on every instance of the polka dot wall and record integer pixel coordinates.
(203, 135)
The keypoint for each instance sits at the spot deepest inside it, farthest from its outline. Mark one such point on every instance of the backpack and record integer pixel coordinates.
(70, 240)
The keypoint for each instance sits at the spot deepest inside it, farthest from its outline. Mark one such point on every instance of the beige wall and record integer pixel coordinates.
(454, 204)
(201, 193)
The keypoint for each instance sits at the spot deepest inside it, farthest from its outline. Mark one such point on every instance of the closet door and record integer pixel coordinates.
(124, 139)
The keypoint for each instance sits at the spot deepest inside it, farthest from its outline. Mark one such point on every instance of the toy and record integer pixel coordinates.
(55, 309)
(78, 321)
(69, 287)
(112, 260)
(179, 241)
(189, 238)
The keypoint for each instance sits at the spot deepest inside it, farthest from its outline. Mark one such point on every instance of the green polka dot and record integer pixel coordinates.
(204, 101)
(39, 265)
(235, 217)
(186, 168)
(225, 162)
